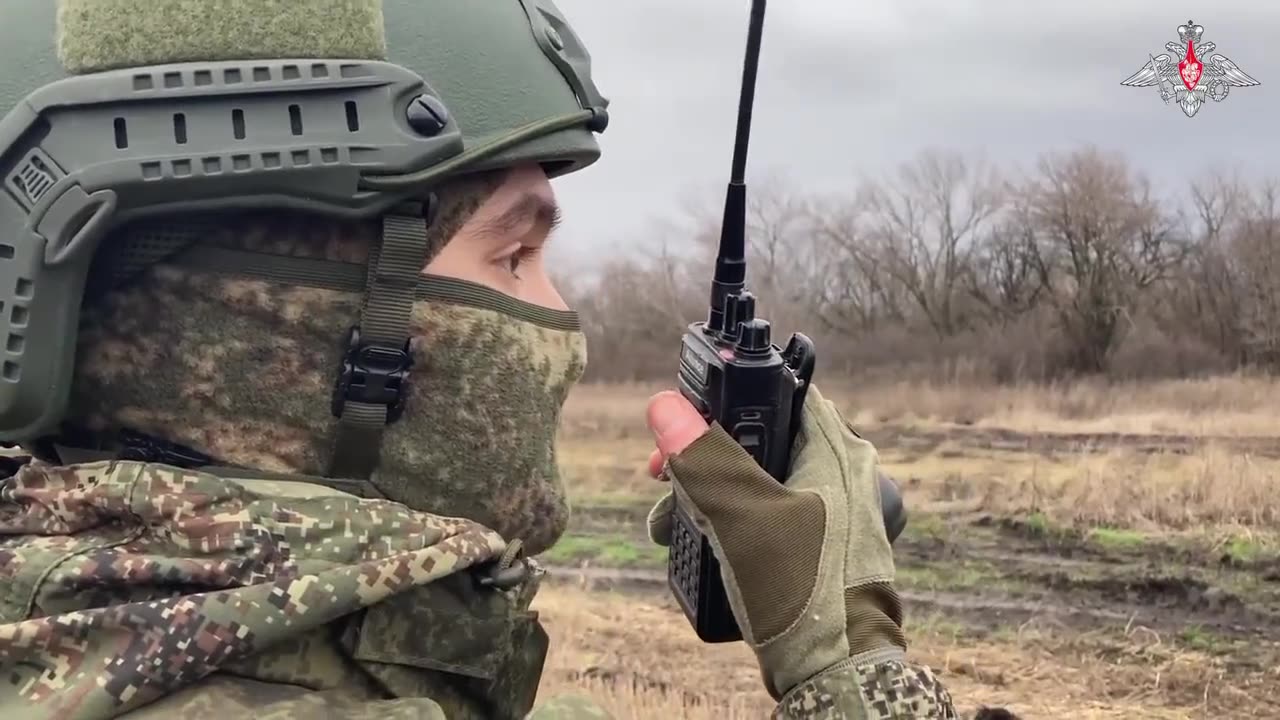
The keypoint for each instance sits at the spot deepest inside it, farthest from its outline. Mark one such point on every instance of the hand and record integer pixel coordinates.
(807, 566)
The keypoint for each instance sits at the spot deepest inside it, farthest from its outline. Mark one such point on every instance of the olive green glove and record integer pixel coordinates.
(807, 566)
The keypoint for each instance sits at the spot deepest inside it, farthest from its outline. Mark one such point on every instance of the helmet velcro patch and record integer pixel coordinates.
(97, 35)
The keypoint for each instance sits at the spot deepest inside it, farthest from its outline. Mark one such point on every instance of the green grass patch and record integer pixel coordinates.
(1039, 525)
(925, 527)
(1115, 539)
(1243, 550)
(1195, 637)
(959, 575)
(1200, 639)
(604, 550)
(631, 502)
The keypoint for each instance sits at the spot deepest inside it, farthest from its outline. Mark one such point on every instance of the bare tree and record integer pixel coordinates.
(1256, 245)
(1003, 275)
(1206, 299)
(1101, 241)
(852, 291)
(943, 259)
(780, 251)
(925, 224)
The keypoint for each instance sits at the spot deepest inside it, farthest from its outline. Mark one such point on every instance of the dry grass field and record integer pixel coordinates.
(1083, 551)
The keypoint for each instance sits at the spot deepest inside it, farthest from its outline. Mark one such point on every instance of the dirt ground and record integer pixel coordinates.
(1055, 573)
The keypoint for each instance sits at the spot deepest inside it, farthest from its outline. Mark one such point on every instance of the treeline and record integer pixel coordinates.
(953, 267)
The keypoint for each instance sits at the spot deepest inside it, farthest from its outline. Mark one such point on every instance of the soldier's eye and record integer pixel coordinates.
(515, 260)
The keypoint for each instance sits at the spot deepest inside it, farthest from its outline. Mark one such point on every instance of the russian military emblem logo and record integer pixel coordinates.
(1182, 75)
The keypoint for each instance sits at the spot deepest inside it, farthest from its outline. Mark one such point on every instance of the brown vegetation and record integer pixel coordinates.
(1173, 455)
(1071, 378)
(1074, 269)
(634, 655)
(1092, 549)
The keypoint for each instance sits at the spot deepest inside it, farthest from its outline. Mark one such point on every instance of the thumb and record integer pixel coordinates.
(674, 422)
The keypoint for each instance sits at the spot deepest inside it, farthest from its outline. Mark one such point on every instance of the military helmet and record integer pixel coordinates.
(351, 108)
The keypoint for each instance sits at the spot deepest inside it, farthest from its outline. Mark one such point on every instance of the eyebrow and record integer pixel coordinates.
(544, 212)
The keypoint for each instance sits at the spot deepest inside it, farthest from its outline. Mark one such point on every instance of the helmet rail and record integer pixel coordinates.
(85, 154)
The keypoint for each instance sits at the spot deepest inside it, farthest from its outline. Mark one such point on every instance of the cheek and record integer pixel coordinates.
(451, 262)
(538, 289)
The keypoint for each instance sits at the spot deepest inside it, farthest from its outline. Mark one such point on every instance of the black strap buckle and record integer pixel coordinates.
(373, 374)
(504, 578)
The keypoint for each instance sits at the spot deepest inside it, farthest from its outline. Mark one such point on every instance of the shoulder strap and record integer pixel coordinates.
(129, 445)
(360, 488)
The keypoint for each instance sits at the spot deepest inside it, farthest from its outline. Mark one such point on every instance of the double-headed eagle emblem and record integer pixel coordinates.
(1190, 81)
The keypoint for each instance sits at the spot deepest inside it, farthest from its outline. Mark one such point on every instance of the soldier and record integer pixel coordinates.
(282, 347)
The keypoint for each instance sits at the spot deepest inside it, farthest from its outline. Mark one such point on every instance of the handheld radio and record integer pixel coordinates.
(733, 374)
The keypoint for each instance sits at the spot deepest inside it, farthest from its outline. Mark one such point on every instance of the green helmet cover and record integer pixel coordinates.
(347, 110)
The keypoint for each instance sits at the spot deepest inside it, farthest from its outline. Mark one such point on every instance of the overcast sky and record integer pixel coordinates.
(851, 89)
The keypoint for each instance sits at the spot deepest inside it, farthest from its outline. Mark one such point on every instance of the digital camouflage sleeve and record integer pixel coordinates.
(891, 690)
(153, 592)
(145, 591)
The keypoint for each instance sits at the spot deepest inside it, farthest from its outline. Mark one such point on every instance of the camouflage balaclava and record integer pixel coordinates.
(243, 369)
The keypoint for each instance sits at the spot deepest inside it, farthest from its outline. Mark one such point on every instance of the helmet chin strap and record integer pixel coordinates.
(369, 392)
(371, 386)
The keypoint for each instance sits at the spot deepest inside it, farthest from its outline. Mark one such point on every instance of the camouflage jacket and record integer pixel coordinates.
(888, 690)
(148, 592)
(153, 592)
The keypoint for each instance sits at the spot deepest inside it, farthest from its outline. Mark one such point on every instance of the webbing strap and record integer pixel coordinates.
(287, 269)
(68, 455)
(394, 270)
(351, 277)
(360, 488)
(152, 450)
(378, 358)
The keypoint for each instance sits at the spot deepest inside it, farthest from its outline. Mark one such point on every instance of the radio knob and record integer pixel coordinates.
(754, 337)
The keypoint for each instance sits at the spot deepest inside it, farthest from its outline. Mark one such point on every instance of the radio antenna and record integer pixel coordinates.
(731, 263)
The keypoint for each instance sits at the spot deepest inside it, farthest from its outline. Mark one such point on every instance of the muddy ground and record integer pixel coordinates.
(1119, 601)
(993, 578)
(922, 441)
(993, 573)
